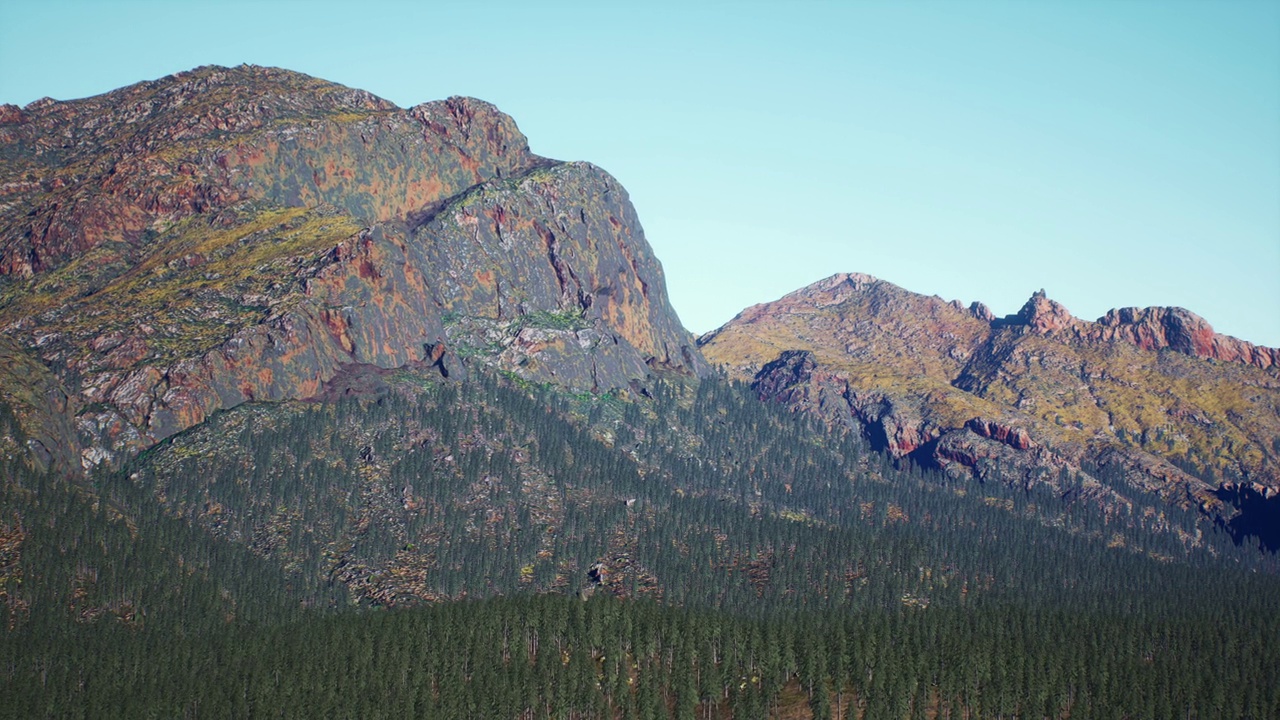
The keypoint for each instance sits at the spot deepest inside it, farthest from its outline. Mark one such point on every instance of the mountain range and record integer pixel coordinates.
(276, 346)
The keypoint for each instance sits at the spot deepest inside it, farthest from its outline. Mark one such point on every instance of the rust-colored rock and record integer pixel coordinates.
(1152, 328)
(1043, 315)
(11, 115)
(1016, 438)
(245, 234)
(116, 166)
(1156, 328)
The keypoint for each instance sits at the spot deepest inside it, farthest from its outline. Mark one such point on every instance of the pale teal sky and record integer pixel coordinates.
(1113, 153)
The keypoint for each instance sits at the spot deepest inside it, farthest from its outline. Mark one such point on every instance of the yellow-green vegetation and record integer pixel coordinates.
(501, 188)
(553, 320)
(476, 336)
(1174, 406)
(544, 175)
(794, 516)
(348, 117)
(1222, 418)
(886, 366)
(196, 284)
(21, 378)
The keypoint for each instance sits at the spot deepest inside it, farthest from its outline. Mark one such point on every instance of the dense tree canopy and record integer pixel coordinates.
(692, 554)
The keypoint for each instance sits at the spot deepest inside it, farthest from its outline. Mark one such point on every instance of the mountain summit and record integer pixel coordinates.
(178, 247)
(1153, 393)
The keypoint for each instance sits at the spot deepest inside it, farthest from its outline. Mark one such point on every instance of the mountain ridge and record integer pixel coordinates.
(1187, 412)
(1150, 328)
(275, 233)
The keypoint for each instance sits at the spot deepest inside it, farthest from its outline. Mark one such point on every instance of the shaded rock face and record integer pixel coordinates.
(1015, 437)
(42, 406)
(895, 424)
(226, 235)
(1019, 398)
(1259, 512)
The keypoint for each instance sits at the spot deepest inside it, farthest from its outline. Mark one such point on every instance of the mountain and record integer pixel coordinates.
(1154, 393)
(178, 247)
(728, 559)
(279, 357)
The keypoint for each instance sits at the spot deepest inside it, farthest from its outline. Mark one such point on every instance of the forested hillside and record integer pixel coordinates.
(693, 553)
(424, 490)
(552, 656)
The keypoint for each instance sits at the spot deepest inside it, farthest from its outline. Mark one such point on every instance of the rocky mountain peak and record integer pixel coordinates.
(1025, 395)
(832, 290)
(981, 311)
(225, 235)
(855, 281)
(122, 166)
(1160, 327)
(1043, 315)
(11, 114)
(1180, 330)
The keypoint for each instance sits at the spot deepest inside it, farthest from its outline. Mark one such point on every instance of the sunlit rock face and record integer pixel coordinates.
(224, 235)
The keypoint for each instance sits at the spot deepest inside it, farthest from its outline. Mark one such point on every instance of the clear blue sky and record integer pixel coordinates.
(1113, 153)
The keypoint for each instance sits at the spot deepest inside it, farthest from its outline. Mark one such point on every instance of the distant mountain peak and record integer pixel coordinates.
(855, 280)
(1029, 393)
(1149, 328)
(1043, 315)
(835, 288)
(1180, 330)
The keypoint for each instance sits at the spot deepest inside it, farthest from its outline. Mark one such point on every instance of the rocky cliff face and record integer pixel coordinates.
(181, 246)
(1152, 328)
(1154, 393)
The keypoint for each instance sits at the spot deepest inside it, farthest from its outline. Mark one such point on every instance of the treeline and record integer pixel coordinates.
(549, 656)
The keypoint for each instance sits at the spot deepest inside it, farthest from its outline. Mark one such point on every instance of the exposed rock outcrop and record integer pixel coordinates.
(1015, 437)
(1043, 315)
(1180, 330)
(121, 166)
(1021, 397)
(226, 235)
(1151, 328)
